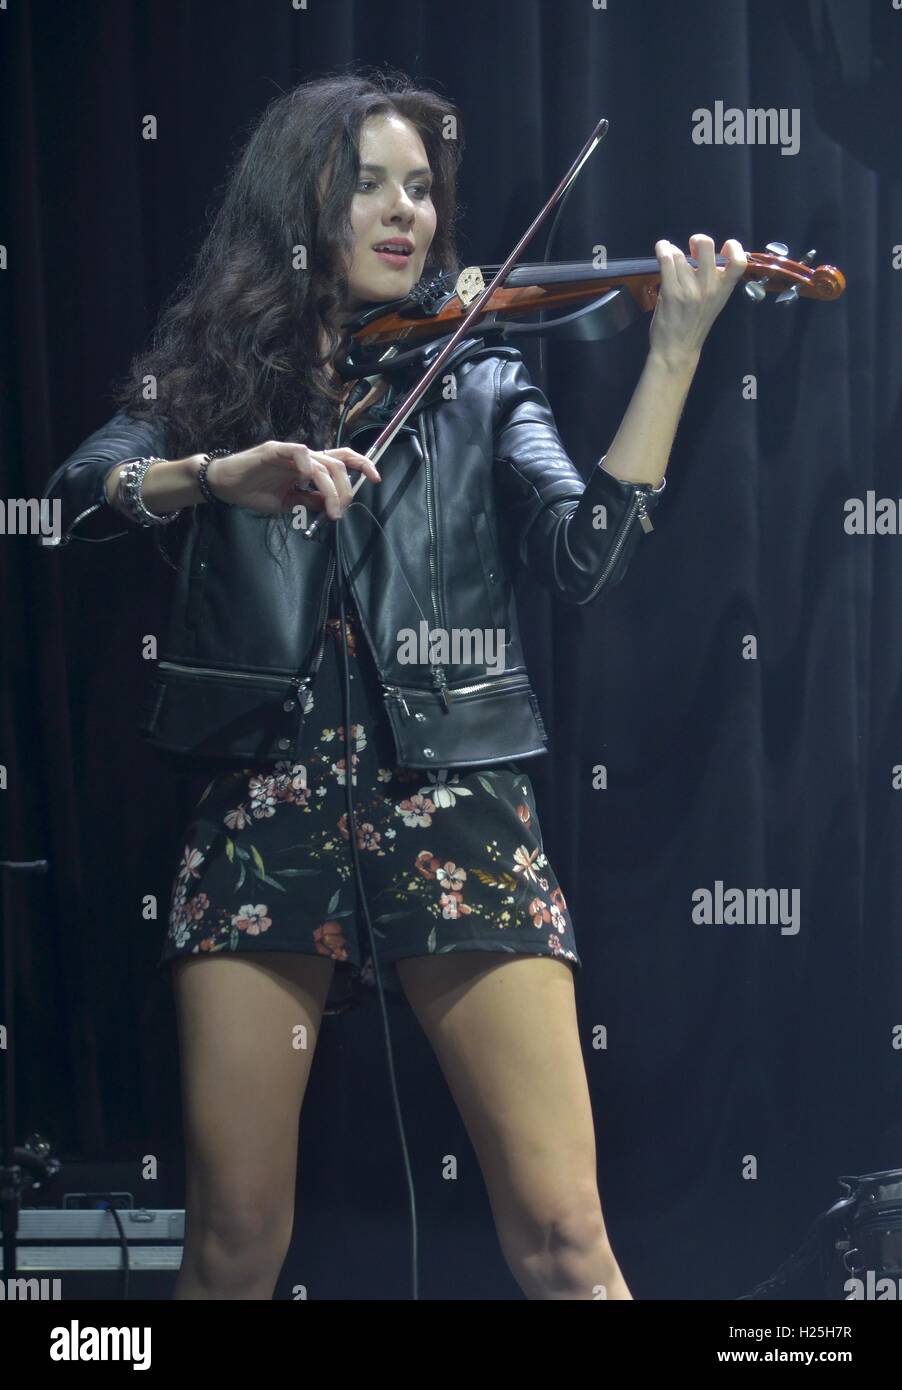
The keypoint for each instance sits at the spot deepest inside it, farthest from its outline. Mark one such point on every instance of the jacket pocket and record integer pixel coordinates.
(214, 712)
(487, 722)
(492, 574)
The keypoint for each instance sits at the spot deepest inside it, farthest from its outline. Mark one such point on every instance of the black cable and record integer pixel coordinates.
(352, 833)
(802, 1259)
(123, 1243)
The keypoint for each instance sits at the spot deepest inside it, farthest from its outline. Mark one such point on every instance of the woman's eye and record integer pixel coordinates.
(423, 188)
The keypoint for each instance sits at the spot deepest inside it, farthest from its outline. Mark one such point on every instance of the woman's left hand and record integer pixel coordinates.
(689, 300)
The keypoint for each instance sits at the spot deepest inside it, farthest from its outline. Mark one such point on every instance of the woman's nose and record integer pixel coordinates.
(404, 205)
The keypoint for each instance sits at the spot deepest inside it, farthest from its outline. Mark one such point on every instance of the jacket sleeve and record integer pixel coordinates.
(576, 537)
(78, 483)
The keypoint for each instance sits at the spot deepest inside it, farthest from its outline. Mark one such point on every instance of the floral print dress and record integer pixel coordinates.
(451, 859)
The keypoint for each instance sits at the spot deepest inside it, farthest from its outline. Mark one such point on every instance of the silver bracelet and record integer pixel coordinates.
(131, 477)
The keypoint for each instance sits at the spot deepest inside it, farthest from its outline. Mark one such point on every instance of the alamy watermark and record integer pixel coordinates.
(31, 516)
(30, 1289)
(873, 1285)
(461, 646)
(730, 125)
(747, 907)
(872, 515)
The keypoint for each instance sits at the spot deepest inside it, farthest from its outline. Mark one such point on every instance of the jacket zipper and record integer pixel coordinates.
(230, 676)
(438, 674)
(94, 507)
(323, 616)
(503, 682)
(358, 430)
(637, 507)
(327, 587)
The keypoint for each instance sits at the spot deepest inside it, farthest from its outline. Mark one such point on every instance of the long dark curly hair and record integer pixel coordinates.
(237, 353)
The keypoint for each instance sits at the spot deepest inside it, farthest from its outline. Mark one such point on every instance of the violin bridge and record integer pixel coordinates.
(470, 285)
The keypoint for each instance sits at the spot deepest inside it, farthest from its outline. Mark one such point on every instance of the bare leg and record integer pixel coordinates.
(248, 1025)
(504, 1030)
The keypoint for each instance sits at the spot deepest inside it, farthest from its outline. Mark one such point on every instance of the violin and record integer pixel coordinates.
(602, 299)
(614, 294)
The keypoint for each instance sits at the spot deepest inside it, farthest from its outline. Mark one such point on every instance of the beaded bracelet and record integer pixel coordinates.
(202, 477)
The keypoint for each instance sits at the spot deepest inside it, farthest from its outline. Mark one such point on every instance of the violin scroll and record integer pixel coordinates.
(793, 279)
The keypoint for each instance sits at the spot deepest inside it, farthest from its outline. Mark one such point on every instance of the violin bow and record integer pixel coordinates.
(468, 286)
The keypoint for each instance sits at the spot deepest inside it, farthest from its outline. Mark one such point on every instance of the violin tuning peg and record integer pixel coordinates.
(788, 296)
(755, 291)
(777, 248)
(809, 257)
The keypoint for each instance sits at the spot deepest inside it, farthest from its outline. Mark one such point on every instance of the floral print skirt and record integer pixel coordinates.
(451, 858)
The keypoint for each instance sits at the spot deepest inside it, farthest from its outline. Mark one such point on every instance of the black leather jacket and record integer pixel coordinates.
(472, 488)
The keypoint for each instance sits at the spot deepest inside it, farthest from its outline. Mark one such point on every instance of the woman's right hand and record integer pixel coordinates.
(275, 477)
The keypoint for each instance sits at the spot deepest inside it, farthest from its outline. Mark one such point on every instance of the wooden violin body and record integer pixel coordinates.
(597, 300)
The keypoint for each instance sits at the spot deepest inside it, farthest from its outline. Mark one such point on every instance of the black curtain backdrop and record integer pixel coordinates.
(775, 769)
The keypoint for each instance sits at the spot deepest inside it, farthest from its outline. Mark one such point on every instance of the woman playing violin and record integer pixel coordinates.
(344, 197)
